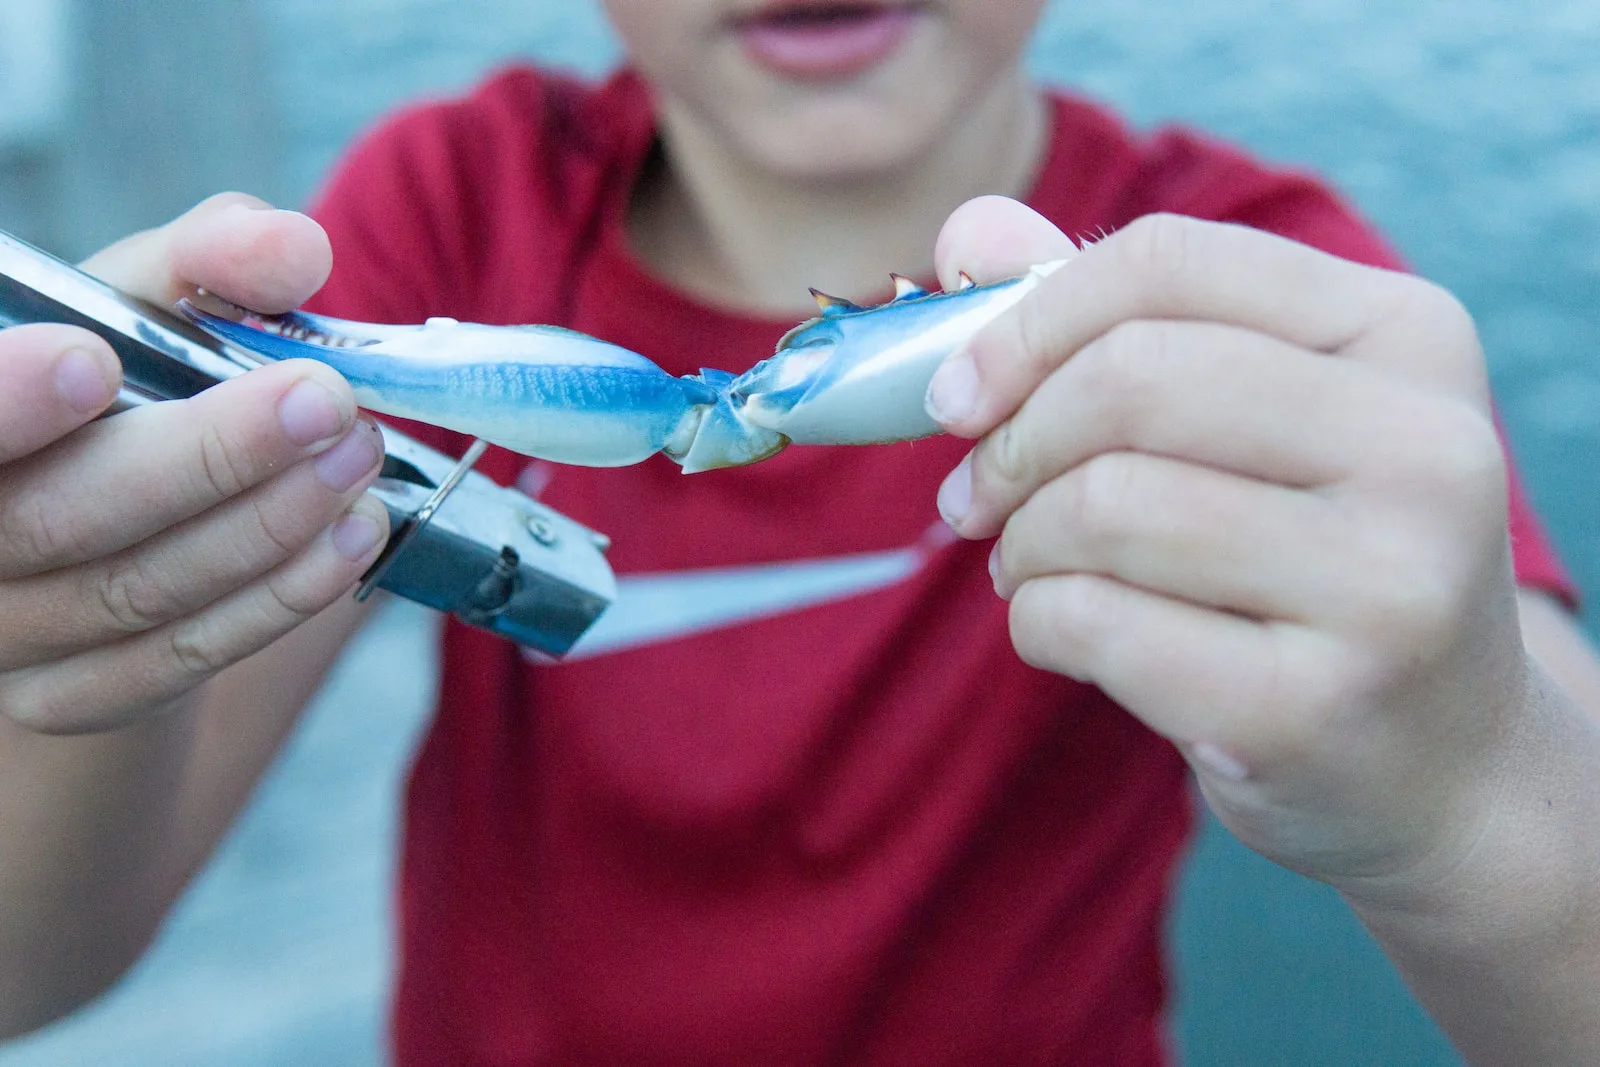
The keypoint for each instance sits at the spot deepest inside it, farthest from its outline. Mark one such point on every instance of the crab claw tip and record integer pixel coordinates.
(832, 305)
(905, 288)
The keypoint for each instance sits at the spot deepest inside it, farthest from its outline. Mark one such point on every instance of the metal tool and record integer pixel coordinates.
(460, 543)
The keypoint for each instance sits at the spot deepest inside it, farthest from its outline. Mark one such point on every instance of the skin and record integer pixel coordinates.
(773, 185)
(183, 636)
(141, 559)
(1255, 493)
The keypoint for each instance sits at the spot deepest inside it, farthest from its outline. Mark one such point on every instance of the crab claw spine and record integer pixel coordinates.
(272, 345)
(833, 305)
(905, 288)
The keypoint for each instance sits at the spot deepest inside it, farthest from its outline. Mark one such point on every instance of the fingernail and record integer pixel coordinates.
(953, 392)
(346, 463)
(85, 379)
(955, 495)
(310, 413)
(1214, 759)
(994, 568)
(355, 535)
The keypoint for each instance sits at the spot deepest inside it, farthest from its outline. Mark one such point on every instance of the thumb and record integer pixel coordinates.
(234, 245)
(989, 239)
(53, 379)
(994, 237)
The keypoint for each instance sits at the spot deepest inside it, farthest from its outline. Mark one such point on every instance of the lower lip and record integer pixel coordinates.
(826, 49)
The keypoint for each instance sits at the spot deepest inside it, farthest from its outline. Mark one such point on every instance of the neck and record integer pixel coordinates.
(725, 229)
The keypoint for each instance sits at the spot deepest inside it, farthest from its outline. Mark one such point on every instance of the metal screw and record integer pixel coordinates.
(542, 530)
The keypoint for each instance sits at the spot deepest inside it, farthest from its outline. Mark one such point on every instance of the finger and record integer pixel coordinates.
(1183, 531)
(119, 481)
(1167, 267)
(111, 685)
(53, 379)
(1215, 395)
(178, 572)
(234, 245)
(994, 237)
(1189, 672)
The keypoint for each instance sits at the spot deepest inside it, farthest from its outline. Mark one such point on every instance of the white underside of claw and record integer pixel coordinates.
(869, 385)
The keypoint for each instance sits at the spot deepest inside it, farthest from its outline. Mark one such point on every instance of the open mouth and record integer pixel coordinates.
(831, 39)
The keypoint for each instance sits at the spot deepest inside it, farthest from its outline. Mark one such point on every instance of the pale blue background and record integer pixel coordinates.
(1468, 133)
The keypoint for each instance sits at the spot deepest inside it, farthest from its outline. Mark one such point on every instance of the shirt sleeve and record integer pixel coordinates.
(1220, 182)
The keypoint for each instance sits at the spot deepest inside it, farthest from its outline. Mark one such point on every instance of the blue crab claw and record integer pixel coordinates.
(853, 375)
(857, 375)
(540, 390)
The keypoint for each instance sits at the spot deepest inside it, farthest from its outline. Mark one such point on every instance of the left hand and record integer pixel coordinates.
(1255, 493)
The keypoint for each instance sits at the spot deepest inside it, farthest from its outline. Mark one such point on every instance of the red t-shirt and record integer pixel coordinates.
(798, 801)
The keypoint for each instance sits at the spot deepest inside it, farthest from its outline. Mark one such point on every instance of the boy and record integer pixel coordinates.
(862, 831)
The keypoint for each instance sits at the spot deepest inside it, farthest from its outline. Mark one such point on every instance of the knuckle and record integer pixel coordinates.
(30, 708)
(29, 699)
(1441, 326)
(205, 644)
(1011, 554)
(1034, 338)
(1306, 696)
(1036, 637)
(1406, 601)
(278, 533)
(1096, 496)
(130, 599)
(1161, 245)
(1465, 453)
(291, 603)
(1429, 613)
(225, 469)
(195, 650)
(1057, 623)
(1086, 606)
(39, 534)
(1009, 462)
(1125, 366)
(1438, 306)
(1448, 464)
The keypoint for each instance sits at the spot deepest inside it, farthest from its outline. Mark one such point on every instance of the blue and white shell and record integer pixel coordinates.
(853, 375)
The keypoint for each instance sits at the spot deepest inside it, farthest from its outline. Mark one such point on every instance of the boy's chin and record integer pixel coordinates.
(834, 162)
(827, 149)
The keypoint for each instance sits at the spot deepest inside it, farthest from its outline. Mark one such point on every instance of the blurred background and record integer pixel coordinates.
(1469, 133)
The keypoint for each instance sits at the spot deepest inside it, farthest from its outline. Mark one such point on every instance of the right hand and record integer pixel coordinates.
(142, 554)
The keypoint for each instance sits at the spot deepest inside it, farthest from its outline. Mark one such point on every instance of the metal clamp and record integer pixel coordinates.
(460, 543)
